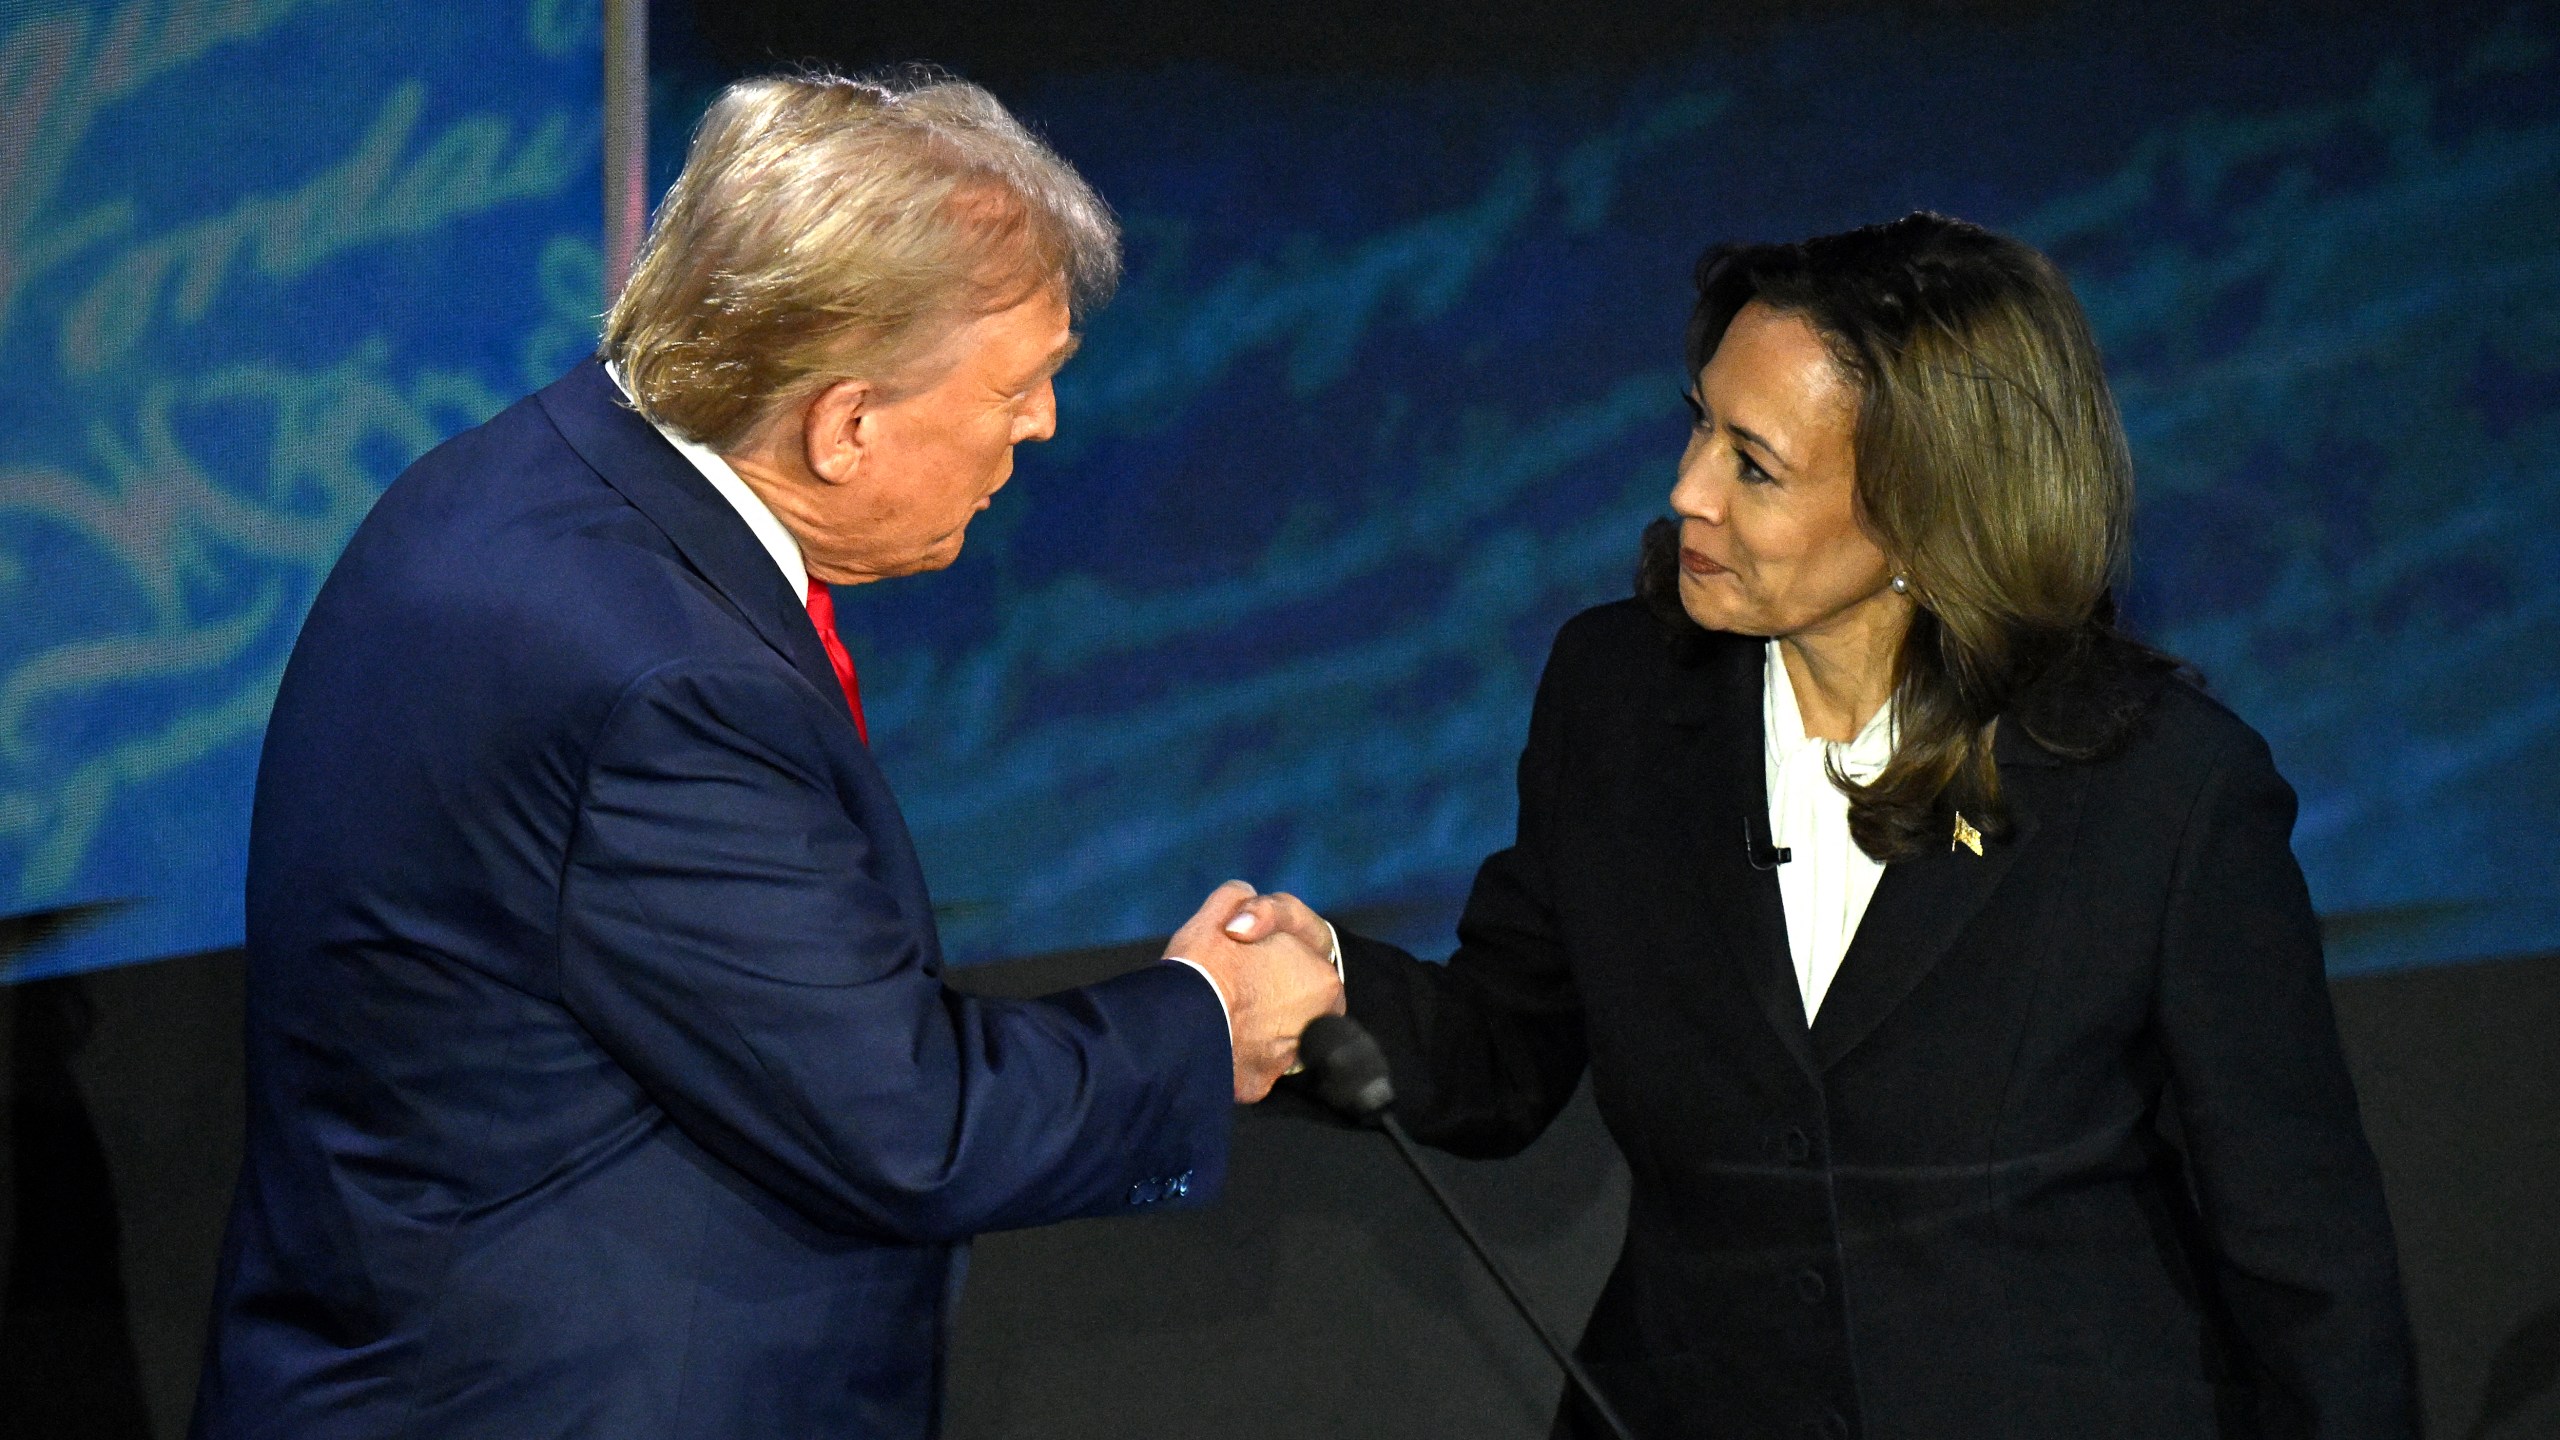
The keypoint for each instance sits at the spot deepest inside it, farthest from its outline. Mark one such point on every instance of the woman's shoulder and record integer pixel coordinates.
(1615, 626)
(2184, 731)
(2183, 758)
(1625, 636)
(2206, 726)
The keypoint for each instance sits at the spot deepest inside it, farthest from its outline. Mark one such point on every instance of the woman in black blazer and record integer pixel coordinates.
(2060, 1143)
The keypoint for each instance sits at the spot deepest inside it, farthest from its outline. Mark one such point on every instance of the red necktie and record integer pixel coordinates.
(822, 613)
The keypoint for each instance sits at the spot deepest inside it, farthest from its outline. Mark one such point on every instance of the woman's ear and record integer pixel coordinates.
(838, 429)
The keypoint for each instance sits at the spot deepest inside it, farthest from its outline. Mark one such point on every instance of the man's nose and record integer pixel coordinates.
(1040, 420)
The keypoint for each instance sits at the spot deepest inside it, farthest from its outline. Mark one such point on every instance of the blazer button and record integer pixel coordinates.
(1799, 1145)
(1811, 1285)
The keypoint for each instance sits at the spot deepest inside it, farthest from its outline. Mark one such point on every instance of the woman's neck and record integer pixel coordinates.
(1843, 673)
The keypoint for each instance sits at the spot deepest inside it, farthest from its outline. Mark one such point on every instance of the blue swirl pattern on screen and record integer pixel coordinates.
(1391, 392)
(254, 258)
(1388, 394)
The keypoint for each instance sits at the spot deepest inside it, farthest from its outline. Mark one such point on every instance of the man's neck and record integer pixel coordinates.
(787, 491)
(772, 532)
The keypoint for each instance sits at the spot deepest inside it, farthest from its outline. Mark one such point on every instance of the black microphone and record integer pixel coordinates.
(1764, 854)
(1350, 1072)
(1349, 1069)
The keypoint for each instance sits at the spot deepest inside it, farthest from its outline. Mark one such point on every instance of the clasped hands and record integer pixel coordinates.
(1272, 960)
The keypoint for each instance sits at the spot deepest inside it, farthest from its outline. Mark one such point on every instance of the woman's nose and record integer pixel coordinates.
(1695, 494)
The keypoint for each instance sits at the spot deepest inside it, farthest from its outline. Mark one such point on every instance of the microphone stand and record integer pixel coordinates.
(1350, 1072)
(1449, 1207)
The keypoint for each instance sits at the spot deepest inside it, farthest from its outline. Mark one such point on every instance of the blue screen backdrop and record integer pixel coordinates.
(1389, 392)
(255, 256)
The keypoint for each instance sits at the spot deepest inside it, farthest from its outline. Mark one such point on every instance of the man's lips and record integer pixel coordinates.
(1697, 563)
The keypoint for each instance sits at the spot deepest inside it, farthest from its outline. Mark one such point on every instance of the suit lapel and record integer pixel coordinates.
(1718, 781)
(624, 448)
(1923, 904)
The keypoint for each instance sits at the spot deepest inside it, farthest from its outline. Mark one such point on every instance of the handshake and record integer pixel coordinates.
(1272, 960)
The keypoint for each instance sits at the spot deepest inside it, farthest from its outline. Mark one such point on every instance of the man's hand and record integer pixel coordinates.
(1272, 988)
(1261, 916)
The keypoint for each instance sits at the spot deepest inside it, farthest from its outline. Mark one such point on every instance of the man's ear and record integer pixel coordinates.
(839, 429)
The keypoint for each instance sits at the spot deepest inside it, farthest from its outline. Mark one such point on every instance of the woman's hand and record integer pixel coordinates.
(1272, 983)
(1281, 913)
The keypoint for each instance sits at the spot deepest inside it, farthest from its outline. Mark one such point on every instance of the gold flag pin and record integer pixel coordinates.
(1966, 835)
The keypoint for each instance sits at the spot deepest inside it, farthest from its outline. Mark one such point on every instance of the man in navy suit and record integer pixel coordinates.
(601, 1078)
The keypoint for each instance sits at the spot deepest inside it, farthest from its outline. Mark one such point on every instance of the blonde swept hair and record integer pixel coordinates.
(829, 227)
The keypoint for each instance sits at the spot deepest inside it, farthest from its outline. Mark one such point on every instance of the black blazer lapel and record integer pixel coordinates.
(1717, 784)
(623, 447)
(1922, 905)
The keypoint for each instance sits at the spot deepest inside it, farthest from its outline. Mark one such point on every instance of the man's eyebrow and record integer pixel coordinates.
(1065, 352)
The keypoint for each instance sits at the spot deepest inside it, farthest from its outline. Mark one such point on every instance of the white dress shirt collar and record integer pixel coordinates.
(767, 526)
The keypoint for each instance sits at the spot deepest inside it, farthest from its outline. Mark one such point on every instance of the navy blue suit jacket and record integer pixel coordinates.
(601, 1079)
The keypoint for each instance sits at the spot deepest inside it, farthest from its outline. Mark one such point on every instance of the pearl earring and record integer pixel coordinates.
(1901, 584)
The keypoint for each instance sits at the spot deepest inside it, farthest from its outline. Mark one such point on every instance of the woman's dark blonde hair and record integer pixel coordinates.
(1991, 470)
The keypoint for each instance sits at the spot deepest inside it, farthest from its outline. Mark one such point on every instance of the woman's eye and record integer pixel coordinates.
(1752, 474)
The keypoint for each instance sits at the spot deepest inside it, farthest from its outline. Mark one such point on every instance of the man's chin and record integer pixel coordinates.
(938, 557)
(933, 555)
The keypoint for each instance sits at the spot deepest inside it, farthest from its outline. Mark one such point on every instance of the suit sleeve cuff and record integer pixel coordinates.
(1202, 971)
(1334, 937)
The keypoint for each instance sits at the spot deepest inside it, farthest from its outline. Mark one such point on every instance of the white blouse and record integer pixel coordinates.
(1826, 883)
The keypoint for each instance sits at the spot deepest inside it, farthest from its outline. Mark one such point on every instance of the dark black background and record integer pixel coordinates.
(1322, 1297)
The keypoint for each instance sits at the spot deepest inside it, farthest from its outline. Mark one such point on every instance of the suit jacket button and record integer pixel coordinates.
(1811, 1285)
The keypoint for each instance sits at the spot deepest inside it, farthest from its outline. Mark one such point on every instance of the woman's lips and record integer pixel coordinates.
(1698, 564)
